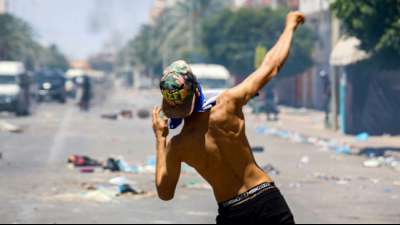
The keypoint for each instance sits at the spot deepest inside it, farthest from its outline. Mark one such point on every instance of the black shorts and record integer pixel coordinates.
(264, 205)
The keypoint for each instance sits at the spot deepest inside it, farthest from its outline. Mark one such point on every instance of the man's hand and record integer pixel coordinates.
(160, 125)
(273, 62)
(294, 20)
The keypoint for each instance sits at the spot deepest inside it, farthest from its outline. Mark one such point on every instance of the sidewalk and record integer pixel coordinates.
(310, 124)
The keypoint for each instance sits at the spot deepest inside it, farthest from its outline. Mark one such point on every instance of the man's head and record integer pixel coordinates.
(179, 88)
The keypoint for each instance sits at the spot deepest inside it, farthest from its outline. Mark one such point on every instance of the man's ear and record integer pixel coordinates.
(197, 92)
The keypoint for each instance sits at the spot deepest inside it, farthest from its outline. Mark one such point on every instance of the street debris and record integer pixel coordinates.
(374, 163)
(345, 150)
(127, 114)
(8, 127)
(257, 149)
(335, 179)
(83, 161)
(110, 116)
(271, 170)
(295, 185)
(323, 144)
(362, 137)
(305, 160)
(143, 113)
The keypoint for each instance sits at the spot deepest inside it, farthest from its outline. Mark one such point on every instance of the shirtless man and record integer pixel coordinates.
(215, 142)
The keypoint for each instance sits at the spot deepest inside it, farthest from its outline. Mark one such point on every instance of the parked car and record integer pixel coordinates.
(51, 85)
(15, 93)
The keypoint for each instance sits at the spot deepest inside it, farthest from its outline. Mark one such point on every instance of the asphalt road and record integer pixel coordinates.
(36, 186)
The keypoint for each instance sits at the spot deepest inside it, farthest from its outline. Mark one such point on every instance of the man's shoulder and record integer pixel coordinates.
(227, 100)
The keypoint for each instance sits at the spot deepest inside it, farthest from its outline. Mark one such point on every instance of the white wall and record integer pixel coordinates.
(313, 6)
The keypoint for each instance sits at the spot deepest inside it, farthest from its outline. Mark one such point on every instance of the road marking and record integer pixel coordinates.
(59, 140)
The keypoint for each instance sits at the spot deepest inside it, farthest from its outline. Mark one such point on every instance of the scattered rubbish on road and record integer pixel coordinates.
(295, 185)
(124, 186)
(126, 189)
(335, 179)
(87, 170)
(305, 160)
(127, 114)
(375, 181)
(143, 114)
(362, 137)
(88, 187)
(111, 116)
(100, 195)
(271, 170)
(298, 138)
(374, 163)
(83, 161)
(258, 149)
(261, 130)
(388, 190)
(345, 150)
(111, 165)
(8, 127)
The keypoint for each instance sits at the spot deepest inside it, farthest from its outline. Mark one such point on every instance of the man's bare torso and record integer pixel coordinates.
(215, 144)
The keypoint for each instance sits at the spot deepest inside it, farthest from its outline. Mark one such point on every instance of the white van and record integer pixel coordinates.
(214, 79)
(14, 88)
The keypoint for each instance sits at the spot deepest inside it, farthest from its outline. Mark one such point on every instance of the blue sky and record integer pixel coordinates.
(82, 27)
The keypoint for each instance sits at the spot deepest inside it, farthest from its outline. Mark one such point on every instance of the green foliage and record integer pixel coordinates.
(260, 55)
(232, 37)
(17, 44)
(375, 22)
(177, 34)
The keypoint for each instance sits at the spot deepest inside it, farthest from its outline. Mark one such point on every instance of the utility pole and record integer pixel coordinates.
(334, 73)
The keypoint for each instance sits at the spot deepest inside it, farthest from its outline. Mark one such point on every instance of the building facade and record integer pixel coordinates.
(3, 6)
(311, 89)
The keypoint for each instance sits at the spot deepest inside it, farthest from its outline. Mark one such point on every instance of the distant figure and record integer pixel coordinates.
(270, 106)
(86, 96)
(327, 97)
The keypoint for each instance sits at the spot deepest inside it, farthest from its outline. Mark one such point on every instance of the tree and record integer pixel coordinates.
(232, 38)
(54, 59)
(17, 43)
(16, 39)
(176, 34)
(375, 22)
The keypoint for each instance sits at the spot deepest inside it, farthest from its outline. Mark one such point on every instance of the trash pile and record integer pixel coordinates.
(390, 159)
(116, 187)
(377, 162)
(86, 164)
(108, 192)
(323, 144)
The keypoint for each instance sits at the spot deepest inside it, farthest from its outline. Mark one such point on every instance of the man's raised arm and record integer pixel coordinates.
(273, 62)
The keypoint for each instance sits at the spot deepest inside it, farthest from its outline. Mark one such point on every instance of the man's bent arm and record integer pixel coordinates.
(273, 62)
(168, 169)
